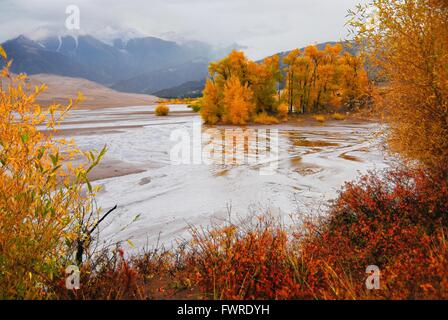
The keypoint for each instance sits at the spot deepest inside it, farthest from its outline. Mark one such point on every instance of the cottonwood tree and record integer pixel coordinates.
(407, 42)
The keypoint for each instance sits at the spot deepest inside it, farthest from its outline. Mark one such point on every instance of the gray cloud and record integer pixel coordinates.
(263, 26)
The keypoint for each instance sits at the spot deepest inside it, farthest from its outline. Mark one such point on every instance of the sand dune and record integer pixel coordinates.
(61, 89)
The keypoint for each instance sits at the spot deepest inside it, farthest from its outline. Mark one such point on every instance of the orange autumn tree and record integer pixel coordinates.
(314, 81)
(210, 106)
(407, 44)
(317, 80)
(294, 62)
(238, 102)
(354, 82)
(264, 79)
(45, 200)
(328, 75)
(238, 89)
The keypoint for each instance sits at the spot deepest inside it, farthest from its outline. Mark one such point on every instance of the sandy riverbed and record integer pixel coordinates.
(314, 161)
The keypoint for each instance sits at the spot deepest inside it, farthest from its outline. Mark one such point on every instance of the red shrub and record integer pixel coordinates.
(110, 278)
(232, 263)
(397, 222)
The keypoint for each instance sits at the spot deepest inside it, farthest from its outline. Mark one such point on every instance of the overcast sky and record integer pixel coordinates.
(263, 26)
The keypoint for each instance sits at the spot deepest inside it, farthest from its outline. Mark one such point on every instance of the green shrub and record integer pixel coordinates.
(195, 107)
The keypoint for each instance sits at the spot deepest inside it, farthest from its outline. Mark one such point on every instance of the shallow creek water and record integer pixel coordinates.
(314, 161)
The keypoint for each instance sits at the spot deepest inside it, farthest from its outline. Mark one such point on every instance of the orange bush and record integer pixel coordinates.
(415, 98)
(320, 118)
(338, 116)
(233, 263)
(162, 110)
(211, 109)
(282, 111)
(398, 223)
(264, 118)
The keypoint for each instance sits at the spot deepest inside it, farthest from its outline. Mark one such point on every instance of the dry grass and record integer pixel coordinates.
(320, 118)
(338, 116)
(264, 118)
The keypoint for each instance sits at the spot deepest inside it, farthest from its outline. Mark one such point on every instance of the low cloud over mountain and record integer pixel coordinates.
(141, 65)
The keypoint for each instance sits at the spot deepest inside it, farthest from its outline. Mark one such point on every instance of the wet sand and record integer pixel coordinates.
(314, 161)
(114, 168)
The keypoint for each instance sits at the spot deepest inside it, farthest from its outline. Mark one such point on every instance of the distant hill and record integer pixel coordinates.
(154, 81)
(189, 89)
(61, 89)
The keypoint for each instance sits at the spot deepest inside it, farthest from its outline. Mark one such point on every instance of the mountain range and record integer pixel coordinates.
(189, 89)
(139, 65)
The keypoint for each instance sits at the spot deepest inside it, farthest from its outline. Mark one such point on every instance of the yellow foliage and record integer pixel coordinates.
(210, 109)
(162, 110)
(187, 101)
(320, 118)
(317, 79)
(407, 44)
(3, 53)
(338, 116)
(45, 198)
(239, 88)
(237, 102)
(264, 118)
(282, 111)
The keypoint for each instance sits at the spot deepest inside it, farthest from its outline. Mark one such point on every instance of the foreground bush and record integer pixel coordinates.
(162, 110)
(45, 198)
(234, 263)
(415, 99)
(107, 277)
(397, 221)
